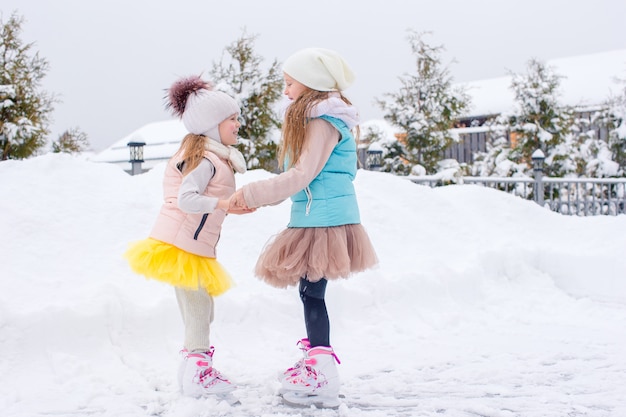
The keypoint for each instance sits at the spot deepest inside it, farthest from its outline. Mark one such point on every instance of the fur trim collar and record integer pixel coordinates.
(228, 153)
(334, 106)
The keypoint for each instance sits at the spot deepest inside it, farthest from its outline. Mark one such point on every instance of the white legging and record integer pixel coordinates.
(196, 310)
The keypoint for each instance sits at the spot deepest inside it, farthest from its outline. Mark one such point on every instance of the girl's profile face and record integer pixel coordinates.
(229, 130)
(293, 89)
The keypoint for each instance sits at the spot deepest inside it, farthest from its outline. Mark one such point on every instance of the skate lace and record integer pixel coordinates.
(303, 345)
(295, 368)
(210, 376)
(206, 374)
(307, 376)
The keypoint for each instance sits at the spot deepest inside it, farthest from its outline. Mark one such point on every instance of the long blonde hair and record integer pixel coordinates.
(296, 124)
(191, 152)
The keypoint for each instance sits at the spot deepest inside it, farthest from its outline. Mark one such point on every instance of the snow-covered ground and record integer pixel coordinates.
(483, 305)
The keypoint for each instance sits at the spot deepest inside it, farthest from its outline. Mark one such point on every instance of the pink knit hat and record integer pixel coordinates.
(320, 69)
(200, 107)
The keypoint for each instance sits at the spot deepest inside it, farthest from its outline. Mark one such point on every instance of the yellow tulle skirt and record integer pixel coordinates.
(167, 263)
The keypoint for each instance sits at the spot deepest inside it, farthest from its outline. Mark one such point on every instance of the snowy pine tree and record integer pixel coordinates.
(613, 117)
(71, 141)
(496, 160)
(257, 91)
(589, 154)
(426, 106)
(540, 121)
(24, 107)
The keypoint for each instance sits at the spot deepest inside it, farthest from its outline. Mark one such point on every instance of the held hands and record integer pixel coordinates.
(236, 204)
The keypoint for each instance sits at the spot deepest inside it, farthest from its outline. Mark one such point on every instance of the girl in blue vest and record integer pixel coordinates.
(324, 239)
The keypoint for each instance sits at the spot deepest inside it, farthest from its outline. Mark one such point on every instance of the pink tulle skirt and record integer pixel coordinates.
(315, 252)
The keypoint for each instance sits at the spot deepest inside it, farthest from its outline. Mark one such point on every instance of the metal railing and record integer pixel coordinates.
(586, 196)
(571, 196)
(576, 196)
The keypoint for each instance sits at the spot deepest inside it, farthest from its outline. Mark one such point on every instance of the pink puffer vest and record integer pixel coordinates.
(194, 233)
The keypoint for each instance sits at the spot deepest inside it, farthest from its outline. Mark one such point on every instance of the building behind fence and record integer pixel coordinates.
(474, 139)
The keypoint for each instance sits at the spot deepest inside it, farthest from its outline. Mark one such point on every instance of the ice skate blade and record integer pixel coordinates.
(199, 393)
(302, 399)
(229, 398)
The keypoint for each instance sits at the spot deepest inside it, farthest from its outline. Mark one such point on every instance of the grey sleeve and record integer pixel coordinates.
(190, 198)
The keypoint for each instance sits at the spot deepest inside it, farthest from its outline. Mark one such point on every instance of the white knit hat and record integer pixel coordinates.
(205, 110)
(320, 69)
(200, 107)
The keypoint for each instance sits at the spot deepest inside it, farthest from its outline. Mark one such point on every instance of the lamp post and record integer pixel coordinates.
(136, 156)
(374, 157)
(538, 158)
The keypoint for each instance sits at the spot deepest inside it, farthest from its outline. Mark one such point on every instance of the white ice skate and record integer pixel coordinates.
(197, 377)
(316, 382)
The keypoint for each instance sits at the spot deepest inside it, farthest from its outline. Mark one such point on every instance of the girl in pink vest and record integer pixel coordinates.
(197, 186)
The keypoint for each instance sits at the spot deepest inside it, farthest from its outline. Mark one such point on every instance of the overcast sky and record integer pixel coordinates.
(110, 62)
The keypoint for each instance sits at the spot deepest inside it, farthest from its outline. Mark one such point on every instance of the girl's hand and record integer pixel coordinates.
(238, 199)
(235, 206)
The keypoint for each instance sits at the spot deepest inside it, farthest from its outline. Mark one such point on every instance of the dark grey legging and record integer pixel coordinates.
(315, 313)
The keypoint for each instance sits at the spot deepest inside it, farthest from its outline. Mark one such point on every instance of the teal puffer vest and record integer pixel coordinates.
(330, 200)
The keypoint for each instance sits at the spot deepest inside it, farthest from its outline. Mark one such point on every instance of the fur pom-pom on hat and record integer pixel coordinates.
(320, 69)
(200, 108)
(180, 91)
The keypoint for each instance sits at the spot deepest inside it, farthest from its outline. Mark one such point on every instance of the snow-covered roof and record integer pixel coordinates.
(588, 80)
(162, 140)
